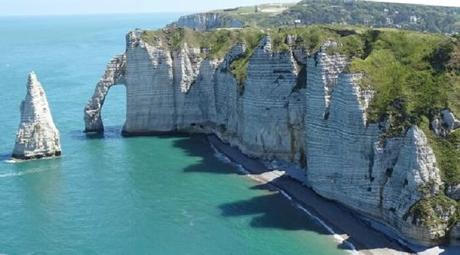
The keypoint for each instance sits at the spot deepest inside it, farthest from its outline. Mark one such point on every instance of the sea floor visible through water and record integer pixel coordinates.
(115, 195)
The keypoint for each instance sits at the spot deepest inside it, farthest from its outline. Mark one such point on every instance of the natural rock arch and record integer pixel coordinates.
(113, 75)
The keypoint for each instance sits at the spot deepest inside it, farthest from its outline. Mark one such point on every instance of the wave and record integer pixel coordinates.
(14, 174)
(221, 156)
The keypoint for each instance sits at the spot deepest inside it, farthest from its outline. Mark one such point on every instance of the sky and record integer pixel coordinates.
(65, 7)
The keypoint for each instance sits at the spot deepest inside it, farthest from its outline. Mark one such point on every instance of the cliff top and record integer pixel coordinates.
(372, 14)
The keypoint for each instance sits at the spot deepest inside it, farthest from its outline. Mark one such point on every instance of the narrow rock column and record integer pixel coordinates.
(37, 136)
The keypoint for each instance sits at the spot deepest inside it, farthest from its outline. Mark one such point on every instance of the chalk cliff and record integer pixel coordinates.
(208, 21)
(293, 107)
(37, 136)
(113, 75)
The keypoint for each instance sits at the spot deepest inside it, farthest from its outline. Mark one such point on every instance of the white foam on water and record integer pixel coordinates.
(336, 236)
(13, 174)
(221, 156)
(10, 161)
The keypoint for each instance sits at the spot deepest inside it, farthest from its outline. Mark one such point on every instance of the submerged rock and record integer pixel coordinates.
(37, 136)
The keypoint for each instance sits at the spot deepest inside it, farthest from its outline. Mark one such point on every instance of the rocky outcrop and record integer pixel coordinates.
(348, 161)
(37, 136)
(208, 21)
(454, 192)
(445, 123)
(113, 75)
(293, 108)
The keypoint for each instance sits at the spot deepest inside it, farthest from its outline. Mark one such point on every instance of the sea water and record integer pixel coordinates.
(114, 195)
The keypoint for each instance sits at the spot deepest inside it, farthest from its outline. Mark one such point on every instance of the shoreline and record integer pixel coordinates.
(349, 231)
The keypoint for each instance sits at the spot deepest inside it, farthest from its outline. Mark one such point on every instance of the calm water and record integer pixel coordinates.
(148, 195)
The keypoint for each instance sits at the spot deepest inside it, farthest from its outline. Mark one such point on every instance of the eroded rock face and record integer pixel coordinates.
(37, 136)
(347, 159)
(113, 75)
(294, 108)
(445, 123)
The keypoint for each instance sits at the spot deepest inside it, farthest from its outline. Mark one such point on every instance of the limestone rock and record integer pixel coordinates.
(37, 136)
(454, 192)
(445, 123)
(295, 108)
(207, 21)
(113, 75)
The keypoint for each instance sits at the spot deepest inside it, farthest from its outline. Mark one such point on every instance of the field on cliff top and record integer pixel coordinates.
(436, 19)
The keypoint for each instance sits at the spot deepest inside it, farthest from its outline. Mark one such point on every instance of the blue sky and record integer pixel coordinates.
(63, 7)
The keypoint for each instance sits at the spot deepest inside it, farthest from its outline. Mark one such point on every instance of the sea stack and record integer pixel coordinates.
(37, 136)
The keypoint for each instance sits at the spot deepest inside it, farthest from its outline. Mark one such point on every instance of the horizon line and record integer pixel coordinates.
(184, 12)
(93, 14)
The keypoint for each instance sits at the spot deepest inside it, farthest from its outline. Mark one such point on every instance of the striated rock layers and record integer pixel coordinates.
(37, 136)
(301, 109)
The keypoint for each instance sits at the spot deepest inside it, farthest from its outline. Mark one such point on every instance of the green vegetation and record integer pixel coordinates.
(377, 14)
(251, 16)
(239, 68)
(414, 76)
(430, 211)
(214, 44)
(447, 151)
(435, 19)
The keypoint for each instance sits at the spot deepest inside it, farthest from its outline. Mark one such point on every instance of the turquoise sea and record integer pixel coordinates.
(114, 195)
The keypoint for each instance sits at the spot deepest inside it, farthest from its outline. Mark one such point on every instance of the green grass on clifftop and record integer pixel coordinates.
(217, 42)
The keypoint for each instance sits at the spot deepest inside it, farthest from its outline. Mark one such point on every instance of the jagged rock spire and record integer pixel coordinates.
(37, 136)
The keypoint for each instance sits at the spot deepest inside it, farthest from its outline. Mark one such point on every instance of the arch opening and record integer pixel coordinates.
(113, 75)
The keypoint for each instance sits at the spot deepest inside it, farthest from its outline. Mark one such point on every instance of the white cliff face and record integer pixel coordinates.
(207, 21)
(113, 75)
(263, 120)
(294, 109)
(37, 136)
(348, 161)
